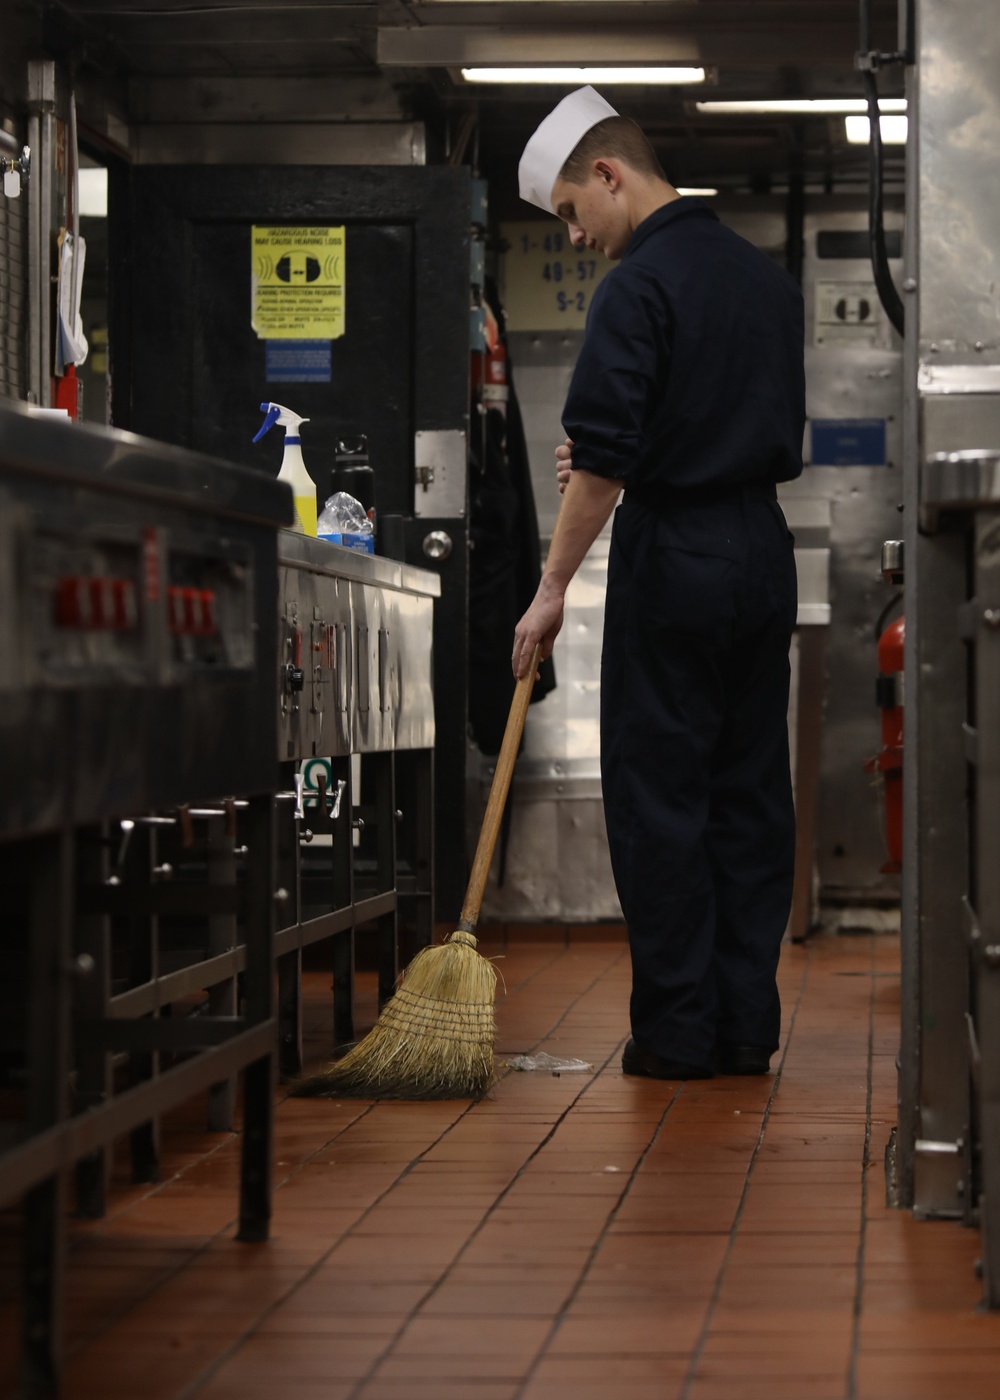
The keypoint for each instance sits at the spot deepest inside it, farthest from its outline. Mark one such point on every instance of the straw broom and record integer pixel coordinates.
(434, 1038)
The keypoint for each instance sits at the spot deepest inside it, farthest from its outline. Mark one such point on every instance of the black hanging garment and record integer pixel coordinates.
(505, 563)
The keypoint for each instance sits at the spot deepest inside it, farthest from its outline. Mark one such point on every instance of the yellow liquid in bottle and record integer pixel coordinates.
(305, 514)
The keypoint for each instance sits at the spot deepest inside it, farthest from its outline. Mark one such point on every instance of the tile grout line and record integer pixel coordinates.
(209, 1372)
(155, 1187)
(572, 1006)
(699, 1346)
(202, 1379)
(859, 1287)
(105, 1326)
(547, 967)
(357, 1392)
(597, 1246)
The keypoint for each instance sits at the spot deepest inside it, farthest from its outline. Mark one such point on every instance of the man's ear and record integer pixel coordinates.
(608, 173)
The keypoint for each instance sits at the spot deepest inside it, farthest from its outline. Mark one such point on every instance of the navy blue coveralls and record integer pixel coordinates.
(690, 390)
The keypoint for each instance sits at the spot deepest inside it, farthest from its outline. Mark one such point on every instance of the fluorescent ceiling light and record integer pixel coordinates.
(802, 106)
(893, 130)
(94, 192)
(608, 76)
(705, 193)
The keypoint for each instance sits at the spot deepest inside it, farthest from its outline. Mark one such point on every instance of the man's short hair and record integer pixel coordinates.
(618, 137)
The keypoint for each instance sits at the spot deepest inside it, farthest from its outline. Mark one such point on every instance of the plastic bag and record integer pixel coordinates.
(344, 522)
(552, 1063)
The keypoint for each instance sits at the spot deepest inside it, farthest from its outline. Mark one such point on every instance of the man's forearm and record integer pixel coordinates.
(587, 502)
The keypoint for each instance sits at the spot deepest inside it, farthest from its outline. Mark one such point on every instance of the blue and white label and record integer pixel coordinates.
(848, 442)
(297, 362)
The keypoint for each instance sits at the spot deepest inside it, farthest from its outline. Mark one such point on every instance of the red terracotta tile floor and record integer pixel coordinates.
(572, 1237)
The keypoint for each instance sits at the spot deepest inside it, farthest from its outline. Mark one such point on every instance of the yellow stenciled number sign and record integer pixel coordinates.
(298, 282)
(547, 283)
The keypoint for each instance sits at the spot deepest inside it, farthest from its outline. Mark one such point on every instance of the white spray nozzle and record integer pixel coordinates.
(284, 417)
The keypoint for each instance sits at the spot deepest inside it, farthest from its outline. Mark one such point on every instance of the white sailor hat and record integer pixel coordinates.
(554, 142)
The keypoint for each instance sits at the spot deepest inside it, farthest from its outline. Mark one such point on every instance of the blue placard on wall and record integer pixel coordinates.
(848, 442)
(297, 361)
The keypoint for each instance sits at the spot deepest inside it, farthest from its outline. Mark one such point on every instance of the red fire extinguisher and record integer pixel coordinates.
(888, 762)
(489, 367)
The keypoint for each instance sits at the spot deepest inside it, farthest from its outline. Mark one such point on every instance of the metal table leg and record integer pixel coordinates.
(50, 976)
(144, 959)
(93, 1067)
(343, 897)
(260, 1077)
(985, 893)
(222, 936)
(385, 864)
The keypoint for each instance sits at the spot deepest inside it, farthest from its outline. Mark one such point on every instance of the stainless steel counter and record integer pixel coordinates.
(137, 586)
(355, 651)
(137, 634)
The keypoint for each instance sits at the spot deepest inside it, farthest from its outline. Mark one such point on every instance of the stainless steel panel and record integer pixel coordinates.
(363, 626)
(831, 336)
(138, 594)
(315, 637)
(985, 891)
(411, 679)
(558, 866)
(958, 378)
(445, 46)
(934, 726)
(909, 930)
(542, 366)
(845, 379)
(813, 569)
(863, 512)
(316, 556)
(441, 466)
(951, 354)
(366, 717)
(960, 422)
(857, 382)
(289, 143)
(958, 119)
(964, 480)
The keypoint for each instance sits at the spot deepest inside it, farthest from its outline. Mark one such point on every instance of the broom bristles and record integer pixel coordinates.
(434, 1038)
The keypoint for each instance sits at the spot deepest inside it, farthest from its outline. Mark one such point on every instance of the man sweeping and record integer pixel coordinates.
(689, 397)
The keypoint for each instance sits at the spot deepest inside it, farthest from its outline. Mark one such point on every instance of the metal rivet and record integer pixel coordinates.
(910, 285)
(991, 616)
(991, 954)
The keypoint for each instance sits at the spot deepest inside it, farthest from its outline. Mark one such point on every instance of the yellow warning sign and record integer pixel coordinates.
(298, 283)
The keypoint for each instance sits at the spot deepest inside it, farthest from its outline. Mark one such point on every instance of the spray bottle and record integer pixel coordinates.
(293, 468)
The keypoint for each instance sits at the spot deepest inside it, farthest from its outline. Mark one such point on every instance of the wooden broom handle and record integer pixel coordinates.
(498, 794)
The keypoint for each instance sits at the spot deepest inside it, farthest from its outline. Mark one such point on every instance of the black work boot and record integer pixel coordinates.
(743, 1059)
(636, 1060)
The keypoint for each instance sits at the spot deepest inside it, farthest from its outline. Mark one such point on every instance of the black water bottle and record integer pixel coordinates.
(352, 473)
